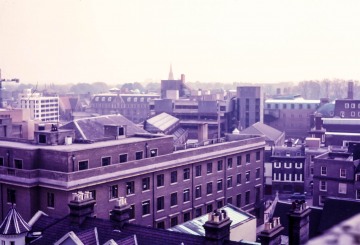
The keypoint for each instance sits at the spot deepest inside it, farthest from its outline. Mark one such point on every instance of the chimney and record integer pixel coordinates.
(298, 223)
(288, 143)
(183, 78)
(217, 228)
(318, 122)
(271, 235)
(350, 90)
(81, 206)
(121, 212)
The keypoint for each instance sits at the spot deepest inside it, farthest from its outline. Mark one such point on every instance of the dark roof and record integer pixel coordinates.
(88, 237)
(13, 223)
(108, 229)
(271, 134)
(337, 210)
(93, 128)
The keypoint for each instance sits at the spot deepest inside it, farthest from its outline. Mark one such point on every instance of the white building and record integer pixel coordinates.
(42, 108)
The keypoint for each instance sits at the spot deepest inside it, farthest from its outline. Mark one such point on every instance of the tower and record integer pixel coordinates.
(171, 75)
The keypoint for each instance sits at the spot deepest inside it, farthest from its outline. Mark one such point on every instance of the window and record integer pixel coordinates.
(229, 182)
(238, 200)
(257, 173)
(105, 161)
(357, 177)
(146, 184)
(323, 171)
(42, 138)
(229, 200)
(160, 203)
(198, 191)
(1, 161)
(198, 170)
(209, 188)
(229, 163)
(153, 152)
(247, 158)
(113, 192)
(130, 187)
(83, 165)
(174, 221)
(247, 176)
(352, 114)
(323, 185)
(238, 160)
(186, 195)
(209, 208)
(352, 105)
(198, 212)
(186, 216)
(146, 207)
(258, 156)
(238, 179)
(342, 173)
(219, 185)
(342, 188)
(287, 164)
(247, 197)
(219, 204)
(11, 196)
(122, 158)
(173, 199)
(121, 131)
(132, 211)
(220, 165)
(209, 167)
(277, 164)
(173, 177)
(298, 165)
(50, 200)
(160, 180)
(18, 163)
(138, 155)
(358, 194)
(186, 173)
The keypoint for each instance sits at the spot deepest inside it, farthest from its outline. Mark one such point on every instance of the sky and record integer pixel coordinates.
(72, 41)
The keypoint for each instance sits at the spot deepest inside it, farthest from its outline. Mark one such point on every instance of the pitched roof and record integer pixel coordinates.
(13, 224)
(93, 128)
(270, 133)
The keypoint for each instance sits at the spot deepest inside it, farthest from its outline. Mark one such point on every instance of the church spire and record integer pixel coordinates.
(171, 75)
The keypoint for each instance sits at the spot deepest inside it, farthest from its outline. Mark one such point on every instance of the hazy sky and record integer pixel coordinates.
(208, 40)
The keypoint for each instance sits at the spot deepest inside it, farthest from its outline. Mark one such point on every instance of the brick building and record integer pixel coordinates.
(133, 106)
(111, 157)
(288, 168)
(290, 114)
(337, 174)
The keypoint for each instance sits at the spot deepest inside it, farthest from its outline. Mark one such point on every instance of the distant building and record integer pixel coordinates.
(290, 114)
(135, 107)
(250, 106)
(42, 108)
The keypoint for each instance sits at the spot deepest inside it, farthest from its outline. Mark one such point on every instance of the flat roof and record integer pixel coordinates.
(294, 101)
(341, 121)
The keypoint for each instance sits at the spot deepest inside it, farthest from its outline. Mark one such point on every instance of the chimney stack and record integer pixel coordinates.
(217, 228)
(271, 235)
(298, 223)
(121, 212)
(81, 206)
(202, 132)
(350, 90)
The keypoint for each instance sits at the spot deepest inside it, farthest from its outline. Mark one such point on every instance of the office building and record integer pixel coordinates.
(111, 157)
